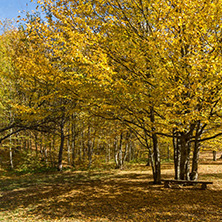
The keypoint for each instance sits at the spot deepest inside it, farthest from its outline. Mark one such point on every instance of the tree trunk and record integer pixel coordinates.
(36, 144)
(73, 141)
(185, 153)
(30, 140)
(195, 158)
(214, 155)
(53, 150)
(156, 152)
(130, 149)
(50, 152)
(150, 161)
(120, 159)
(62, 139)
(194, 172)
(119, 152)
(10, 152)
(177, 156)
(89, 153)
(108, 152)
(41, 148)
(82, 148)
(68, 147)
(90, 145)
(107, 149)
(156, 155)
(127, 147)
(45, 149)
(184, 142)
(126, 151)
(115, 144)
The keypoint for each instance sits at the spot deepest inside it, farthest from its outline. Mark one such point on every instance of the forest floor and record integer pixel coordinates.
(113, 195)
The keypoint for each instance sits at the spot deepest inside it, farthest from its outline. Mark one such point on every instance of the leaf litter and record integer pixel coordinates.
(114, 195)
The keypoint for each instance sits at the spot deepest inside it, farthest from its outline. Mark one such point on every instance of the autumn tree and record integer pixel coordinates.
(154, 66)
(165, 64)
(192, 46)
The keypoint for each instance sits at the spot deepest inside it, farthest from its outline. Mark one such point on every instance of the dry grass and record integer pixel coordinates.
(126, 195)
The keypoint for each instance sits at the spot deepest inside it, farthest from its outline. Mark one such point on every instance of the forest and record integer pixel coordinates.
(101, 101)
(97, 84)
(114, 80)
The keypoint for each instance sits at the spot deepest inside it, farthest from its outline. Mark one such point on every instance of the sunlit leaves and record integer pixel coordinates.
(124, 57)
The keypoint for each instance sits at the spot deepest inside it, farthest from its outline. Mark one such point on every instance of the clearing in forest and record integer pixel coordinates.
(126, 195)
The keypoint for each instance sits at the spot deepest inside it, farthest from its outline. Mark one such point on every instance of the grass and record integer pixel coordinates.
(109, 195)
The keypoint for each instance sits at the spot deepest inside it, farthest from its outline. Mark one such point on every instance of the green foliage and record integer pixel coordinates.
(30, 163)
(139, 160)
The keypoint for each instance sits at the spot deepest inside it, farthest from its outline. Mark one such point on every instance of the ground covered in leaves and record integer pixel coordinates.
(126, 195)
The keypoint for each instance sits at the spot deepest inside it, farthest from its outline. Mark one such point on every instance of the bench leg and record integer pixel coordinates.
(166, 184)
(203, 186)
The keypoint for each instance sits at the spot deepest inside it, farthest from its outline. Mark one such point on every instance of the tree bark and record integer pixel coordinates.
(156, 155)
(10, 153)
(196, 151)
(119, 152)
(115, 144)
(120, 159)
(62, 139)
(150, 152)
(68, 146)
(90, 144)
(45, 149)
(214, 155)
(177, 152)
(73, 141)
(36, 144)
(156, 152)
(53, 150)
(185, 153)
(130, 148)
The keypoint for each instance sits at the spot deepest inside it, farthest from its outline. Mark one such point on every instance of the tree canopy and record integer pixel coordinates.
(153, 66)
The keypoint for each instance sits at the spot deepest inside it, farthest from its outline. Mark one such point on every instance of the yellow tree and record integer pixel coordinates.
(191, 48)
(165, 57)
(114, 59)
(52, 74)
(167, 61)
(6, 94)
(43, 104)
(7, 89)
(154, 65)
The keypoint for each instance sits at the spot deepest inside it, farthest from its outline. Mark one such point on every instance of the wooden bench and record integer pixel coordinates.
(167, 183)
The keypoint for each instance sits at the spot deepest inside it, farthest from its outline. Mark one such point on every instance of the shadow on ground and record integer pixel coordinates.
(107, 197)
